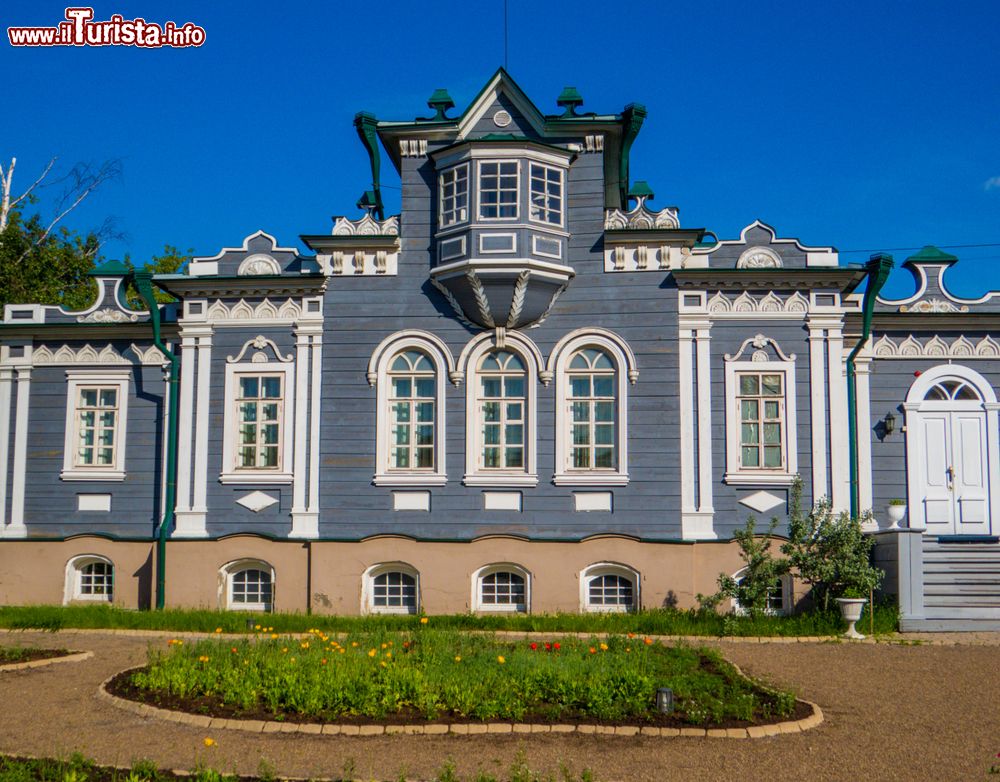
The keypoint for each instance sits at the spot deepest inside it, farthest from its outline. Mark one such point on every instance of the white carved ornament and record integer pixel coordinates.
(366, 226)
(933, 306)
(760, 343)
(257, 265)
(257, 501)
(288, 310)
(759, 258)
(108, 315)
(720, 303)
(260, 345)
(88, 355)
(936, 347)
(640, 218)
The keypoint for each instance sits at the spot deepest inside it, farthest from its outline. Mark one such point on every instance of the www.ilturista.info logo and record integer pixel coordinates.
(79, 29)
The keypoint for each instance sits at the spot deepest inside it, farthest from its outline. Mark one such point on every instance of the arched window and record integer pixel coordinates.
(502, 588)
(248, 585)
(411, 412)
(500, 404)
(609, 587)
(779, 598)
(90, 577)
(593, 369)
(500, 409)
(409, 369)
(592, 393)
(391, 589)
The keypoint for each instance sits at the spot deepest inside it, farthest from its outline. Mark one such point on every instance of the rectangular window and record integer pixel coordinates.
(96, 407)
(96, 425)
(761, 401)
(593, 421)
(259, 401)
(498, 190)
(454, 185)
(412, 413)
(546, 194)
(502, 411)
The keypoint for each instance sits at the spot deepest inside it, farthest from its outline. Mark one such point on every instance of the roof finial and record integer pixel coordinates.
(440, 101)
(569, 99)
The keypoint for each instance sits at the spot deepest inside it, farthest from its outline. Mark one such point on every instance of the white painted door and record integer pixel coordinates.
(954, 480)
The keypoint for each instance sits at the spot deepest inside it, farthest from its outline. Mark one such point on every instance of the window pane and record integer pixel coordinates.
(401, 435)
(88, 397)
(491, 387)
(248, 387)
(581, 434)
(515, 457)
(515, 434)
(425, 387)
(271, 387)
(491, 434)
(771, 410)
(604, 458)
(401, 387)
(514, 412)
(401, 412)
(604, 385)
(581, 411)
(491, 411)
(581, 458)
(491, 457)
(270, 456)
(604, 434)
(425, 435)
(772, 456)
(580, 386)
(425, 412)
(514, 386)
(749, 434)
(749, 409)
(749, 385)
(751, 457)
(771, 385)
(425, 457)
(401, 458)
(604, 411)
(772, 434)
(109, 397)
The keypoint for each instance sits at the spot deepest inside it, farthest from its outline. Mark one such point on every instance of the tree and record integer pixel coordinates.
(170, 261)
(828, 550)
(41, 261)
(756, 584)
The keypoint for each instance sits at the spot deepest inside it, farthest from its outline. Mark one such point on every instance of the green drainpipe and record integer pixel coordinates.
(877, 269)
(144, 285)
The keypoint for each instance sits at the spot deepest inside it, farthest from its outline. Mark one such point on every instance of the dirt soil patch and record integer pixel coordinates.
(13, 655)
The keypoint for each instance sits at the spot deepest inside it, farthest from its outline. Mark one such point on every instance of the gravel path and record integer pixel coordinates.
(892, 712)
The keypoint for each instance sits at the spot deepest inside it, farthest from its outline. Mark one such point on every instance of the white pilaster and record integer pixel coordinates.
(314, 421)
(685, 376)
(16, 528)
(840, 479)
(704, 370)
(305, 521)
(193, 523)
(185, 424)
(862, 372)
(817, 399)
(6, 378)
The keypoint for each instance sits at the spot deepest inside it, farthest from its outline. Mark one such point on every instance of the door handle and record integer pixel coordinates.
(951, 477)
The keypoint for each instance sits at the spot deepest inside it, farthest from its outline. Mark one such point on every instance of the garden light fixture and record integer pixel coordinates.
(664, 700)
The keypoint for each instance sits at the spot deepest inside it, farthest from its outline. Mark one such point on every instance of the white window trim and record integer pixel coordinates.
(368, 588)
(625, 373)
(468, 195)
(608, 569)
(378, 375)
(475, 475)
(562, 195)
(786, 596)
(74, 575)
(479, 191)
(226, 573)
(284, 474)
(95, 377)
(736, 475)
(509, 608)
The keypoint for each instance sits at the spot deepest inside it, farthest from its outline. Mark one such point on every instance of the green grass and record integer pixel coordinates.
(655, 622)
(79, 769)
(17, 654)
(447, 674)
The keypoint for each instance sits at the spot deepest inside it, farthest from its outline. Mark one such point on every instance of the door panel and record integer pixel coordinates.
(939, 502)
(971, 478)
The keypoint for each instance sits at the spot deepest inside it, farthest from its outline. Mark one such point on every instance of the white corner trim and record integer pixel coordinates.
(840, 474)
(16, 527)
(204, 381)
(315, 417)
(105, 378)
(705, 441)
(185, 423)
(817, 412)
(685, 377)
(6, 380)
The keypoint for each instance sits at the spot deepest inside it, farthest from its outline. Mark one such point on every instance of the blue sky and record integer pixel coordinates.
(866, 125)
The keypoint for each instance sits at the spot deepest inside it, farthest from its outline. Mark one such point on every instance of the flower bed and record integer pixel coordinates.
(446, 675)
(13, 655)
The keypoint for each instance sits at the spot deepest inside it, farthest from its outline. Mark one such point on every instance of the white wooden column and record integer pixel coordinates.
(305, 521)
(685, 375)
(817, 399)
(6, 378)
(862, 372)
(192, 522)
(185, 424)
(840, 479)
(314, 432)
(704, 379)
(16, 528)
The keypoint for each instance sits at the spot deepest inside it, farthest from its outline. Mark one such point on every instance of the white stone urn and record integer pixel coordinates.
(850, 610)
(895, 513)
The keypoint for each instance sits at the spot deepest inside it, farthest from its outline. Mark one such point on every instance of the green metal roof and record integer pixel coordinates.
(931, 254)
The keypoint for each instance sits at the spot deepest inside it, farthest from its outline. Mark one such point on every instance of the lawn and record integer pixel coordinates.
(434, 674)
(665, 621)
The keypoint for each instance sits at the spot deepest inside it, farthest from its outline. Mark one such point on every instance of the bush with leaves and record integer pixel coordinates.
(828, 550)
(756, 584)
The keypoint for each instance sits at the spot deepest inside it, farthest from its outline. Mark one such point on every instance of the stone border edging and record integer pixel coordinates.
(454, 728)
(72, 657)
